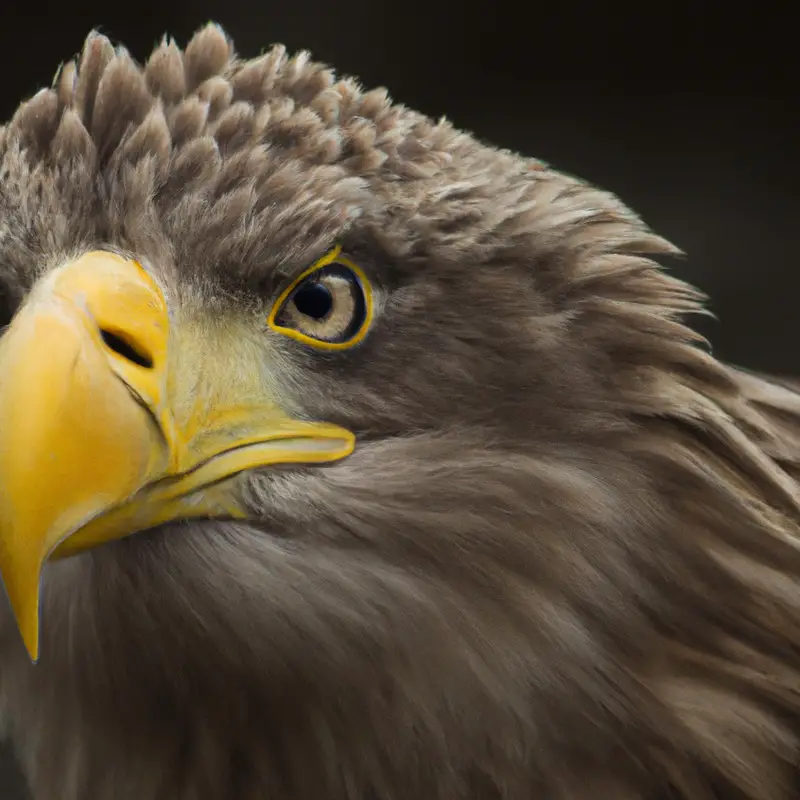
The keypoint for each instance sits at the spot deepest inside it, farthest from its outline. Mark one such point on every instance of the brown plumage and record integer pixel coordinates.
(563, 561)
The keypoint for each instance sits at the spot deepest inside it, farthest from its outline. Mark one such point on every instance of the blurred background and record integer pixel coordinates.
(686, 111)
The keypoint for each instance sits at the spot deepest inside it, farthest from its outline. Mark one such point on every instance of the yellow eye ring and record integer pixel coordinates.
(349, 311)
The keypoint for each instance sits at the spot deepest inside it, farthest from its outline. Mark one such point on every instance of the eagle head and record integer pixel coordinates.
(345, 456)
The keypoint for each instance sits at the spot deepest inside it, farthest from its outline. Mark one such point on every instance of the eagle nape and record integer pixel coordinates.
(346, 457)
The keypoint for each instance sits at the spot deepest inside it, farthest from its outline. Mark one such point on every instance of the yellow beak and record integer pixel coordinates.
(110, 423)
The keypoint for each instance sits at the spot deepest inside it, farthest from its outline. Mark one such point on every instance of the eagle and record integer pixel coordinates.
(344, 456)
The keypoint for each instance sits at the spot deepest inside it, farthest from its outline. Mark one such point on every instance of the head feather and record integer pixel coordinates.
(564, 558)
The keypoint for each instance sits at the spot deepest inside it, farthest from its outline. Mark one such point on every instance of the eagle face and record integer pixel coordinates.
(336, 448)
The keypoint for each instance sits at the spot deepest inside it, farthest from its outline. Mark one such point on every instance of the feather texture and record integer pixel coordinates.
(563, 561)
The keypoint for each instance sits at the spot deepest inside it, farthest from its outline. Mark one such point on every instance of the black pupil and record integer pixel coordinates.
(314, 300)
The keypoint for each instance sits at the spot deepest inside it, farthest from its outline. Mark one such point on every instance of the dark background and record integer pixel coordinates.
(687, 111)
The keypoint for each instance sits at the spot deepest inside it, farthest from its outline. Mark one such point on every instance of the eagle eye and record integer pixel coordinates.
(329, 306)
(315, 299)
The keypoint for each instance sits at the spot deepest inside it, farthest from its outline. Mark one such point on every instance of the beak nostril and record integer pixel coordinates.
(126, 349)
